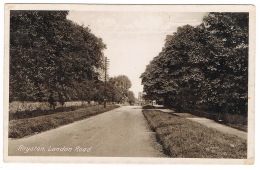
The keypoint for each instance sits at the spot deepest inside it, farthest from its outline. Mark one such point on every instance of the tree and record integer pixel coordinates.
(176, 70)
(228, 61)
(50, 55)
(131, 97)
(119, 89)
(203, 67)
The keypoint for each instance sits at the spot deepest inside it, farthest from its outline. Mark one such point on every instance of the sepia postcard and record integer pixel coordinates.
(167, 84)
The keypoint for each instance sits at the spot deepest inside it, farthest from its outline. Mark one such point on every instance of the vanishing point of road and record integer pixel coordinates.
(122, 132)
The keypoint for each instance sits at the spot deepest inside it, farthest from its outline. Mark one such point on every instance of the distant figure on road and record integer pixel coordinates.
(62, 99)
(52, 101)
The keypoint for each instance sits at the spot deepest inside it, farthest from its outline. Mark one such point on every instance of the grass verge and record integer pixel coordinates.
(182, 138)
(35, 113)
(29, 126)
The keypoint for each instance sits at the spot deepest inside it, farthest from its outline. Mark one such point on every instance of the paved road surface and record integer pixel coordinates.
(122, 132)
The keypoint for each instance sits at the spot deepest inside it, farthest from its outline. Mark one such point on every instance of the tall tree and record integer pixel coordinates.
(51, 55)
(228, 60)
(203, 67)
(119, 88)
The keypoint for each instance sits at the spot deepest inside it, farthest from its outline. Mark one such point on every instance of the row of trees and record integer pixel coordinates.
(118, 89)
(203, 67)
(53, 57)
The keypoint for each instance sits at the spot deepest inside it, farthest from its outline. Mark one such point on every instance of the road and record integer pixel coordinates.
(122, 132)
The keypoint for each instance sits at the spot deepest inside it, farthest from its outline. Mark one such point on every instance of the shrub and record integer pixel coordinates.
(148, 107)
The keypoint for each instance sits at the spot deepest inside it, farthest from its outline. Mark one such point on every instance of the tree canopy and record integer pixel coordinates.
(52, 55)
(203, 67)
(119, 89)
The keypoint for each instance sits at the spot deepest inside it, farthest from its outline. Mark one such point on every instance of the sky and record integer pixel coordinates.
(134, 38)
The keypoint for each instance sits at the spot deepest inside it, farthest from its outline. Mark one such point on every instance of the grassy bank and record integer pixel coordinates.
(183, 138)
(29, 126)
(39, 112)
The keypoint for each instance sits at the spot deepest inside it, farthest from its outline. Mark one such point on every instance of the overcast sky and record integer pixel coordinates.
(133, 38)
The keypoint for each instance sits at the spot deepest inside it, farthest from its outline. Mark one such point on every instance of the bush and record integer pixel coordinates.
(148, 107)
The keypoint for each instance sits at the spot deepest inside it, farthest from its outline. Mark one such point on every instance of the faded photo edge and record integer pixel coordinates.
(199, 8)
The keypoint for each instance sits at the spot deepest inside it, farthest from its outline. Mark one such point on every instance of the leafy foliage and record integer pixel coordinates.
(50, 55)
(118, 90)
(203, 67)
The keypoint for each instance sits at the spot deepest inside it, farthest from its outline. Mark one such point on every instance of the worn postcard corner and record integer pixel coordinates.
(129, 83)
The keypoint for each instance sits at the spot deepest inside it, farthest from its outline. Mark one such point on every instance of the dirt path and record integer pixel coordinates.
(211, 124)
(122, 132)
(222, 128)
